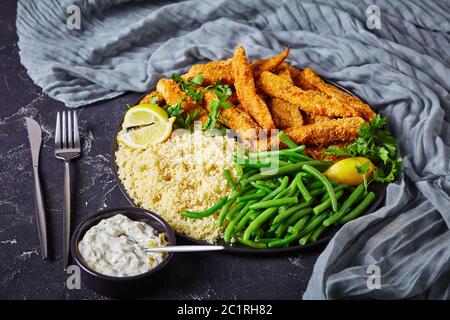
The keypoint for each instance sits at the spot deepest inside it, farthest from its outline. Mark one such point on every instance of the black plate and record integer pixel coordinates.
(378, 189)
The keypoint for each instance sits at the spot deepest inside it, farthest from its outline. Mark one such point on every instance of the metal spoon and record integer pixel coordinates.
(192, 248)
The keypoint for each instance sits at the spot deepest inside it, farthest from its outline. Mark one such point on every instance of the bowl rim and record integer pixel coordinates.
(75, 239)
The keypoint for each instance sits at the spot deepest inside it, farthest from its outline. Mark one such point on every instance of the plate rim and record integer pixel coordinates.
(236, 247)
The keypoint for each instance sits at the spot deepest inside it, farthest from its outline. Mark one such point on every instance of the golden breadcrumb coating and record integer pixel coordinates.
(246, 91)
(309, 101)
(326, 133)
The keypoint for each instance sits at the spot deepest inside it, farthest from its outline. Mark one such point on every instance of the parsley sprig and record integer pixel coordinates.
(376, 143)
(180, 122)
(191, 86)
(223, 92)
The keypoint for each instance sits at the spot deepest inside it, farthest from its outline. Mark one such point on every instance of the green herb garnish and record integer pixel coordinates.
(223, 92)
(376, 143)
(190, 87)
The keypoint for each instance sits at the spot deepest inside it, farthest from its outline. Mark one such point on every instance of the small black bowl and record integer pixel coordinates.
(122, 287)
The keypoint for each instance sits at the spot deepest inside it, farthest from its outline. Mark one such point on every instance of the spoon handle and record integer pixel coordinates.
(194, 248)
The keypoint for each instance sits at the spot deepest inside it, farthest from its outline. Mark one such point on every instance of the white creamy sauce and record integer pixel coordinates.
(115, 247)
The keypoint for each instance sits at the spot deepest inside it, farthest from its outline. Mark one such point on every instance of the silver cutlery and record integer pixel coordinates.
(67, 147)
(189, 248)
(35, 137)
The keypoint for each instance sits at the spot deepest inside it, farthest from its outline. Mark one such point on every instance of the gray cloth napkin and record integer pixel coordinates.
(402, 70)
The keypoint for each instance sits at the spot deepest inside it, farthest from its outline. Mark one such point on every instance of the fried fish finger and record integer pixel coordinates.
(284, 114)
(270, 64)
(149, 98)
(233, 117)
(222, 70)
(172, 94)
(326, 133)
(311, 80)
(309, 101)
(212, 71)
(246, 92)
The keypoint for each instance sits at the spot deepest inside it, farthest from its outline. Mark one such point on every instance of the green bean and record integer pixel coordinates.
(249, 164)
(273, 227)
(274, 203)
(259, 220)
(229, 231)
(261, 187)
(229, 203)
(230, 214)
(286, 140)
(304, 240)
(266, 240)
(230, 181)
(281, 230)
(317, 191)
(286, 170)
(252, 244)
(286, 213)
(336, 189)
(319, 176)
(314, 185)
(294, 155)
(239, 170)
(279, 189)
(283, 242)
(206, 213)
(253, 196)
(327, 203)
(247, 174)
(345, 206)
(244, 220)
(299, 225)
(359, 209)
(313, 224)
(317, 232)
(301, 187)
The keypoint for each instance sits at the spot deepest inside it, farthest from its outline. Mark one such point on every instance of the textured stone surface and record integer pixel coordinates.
(24, 275)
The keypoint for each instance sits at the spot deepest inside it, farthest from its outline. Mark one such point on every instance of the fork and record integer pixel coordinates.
(67, 147)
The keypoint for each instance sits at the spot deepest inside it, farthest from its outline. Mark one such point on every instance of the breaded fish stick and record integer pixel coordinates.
(233, 117)
(172, 94)
(211, 72)
(326, 133)
(270, 64)
(222, 70)
(311, 80)
(246, 91)
(310, 118)
(149, 97)
(284, 114)
(309, 101)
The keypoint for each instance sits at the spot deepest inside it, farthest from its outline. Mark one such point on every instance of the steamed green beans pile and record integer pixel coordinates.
(281, 198)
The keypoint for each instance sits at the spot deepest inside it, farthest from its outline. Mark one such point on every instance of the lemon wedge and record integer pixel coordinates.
(151, 134)
(151, 125)
(144, 114)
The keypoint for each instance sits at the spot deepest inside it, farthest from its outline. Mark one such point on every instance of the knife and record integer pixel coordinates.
(35, 137)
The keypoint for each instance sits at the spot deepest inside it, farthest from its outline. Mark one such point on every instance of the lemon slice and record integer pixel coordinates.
(143, 137)
(144, 114)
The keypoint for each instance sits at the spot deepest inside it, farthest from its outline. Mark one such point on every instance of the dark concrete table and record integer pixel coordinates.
(23, 273)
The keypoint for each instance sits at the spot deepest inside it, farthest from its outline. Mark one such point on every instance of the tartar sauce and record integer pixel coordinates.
(115, 247)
